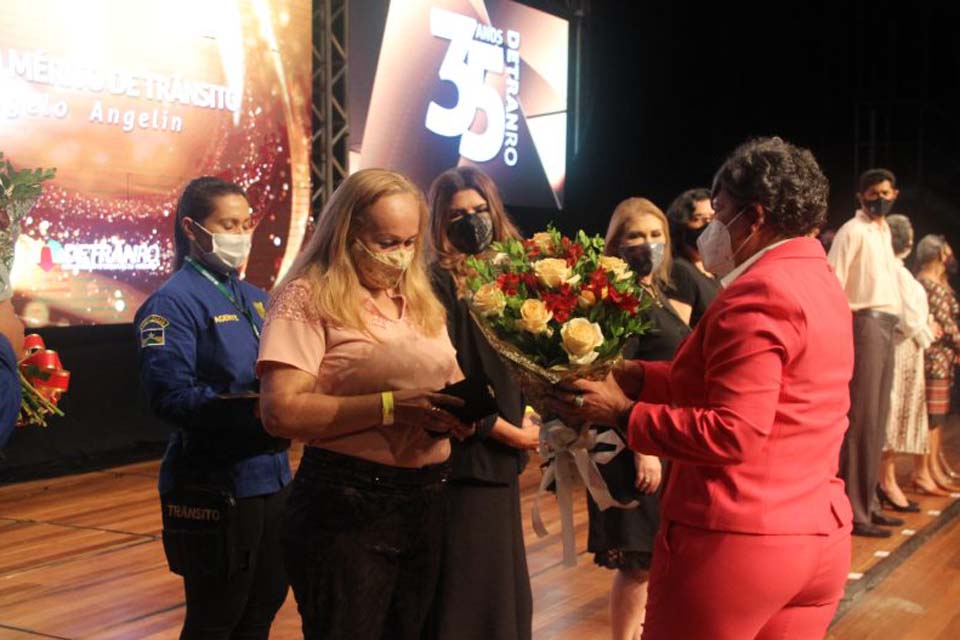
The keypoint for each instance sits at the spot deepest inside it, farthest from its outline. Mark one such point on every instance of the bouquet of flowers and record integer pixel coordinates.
(19, 191)
(42, 378)
(555, 309)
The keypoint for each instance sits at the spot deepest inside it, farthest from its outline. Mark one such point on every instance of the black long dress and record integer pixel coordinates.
(484, 591)
(623, 538)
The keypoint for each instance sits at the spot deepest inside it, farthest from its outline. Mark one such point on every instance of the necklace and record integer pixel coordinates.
(654, 293)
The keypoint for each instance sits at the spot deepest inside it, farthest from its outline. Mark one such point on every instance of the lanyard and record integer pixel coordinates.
(226, 294)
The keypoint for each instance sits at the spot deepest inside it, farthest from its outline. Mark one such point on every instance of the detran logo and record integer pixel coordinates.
(112, 254)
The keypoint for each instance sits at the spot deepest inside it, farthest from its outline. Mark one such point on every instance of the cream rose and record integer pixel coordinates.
(544, 242)
(621, 270)
(581, 338)
(534, 316)
(489, 300)
(552, 272)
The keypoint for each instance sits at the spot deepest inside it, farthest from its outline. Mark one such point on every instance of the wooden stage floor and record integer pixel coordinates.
(80, 557)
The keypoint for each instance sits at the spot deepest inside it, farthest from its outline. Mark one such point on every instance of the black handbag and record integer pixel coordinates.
(199, 531)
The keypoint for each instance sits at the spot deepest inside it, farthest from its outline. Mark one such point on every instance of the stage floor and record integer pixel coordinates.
(80, 557)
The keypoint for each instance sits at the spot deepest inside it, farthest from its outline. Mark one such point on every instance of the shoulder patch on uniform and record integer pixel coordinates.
(260, 309)
(152, 331)
(154, 319)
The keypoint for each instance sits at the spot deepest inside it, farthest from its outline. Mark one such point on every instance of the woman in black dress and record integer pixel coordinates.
(690, 284)
(622, 539)
(484, 590)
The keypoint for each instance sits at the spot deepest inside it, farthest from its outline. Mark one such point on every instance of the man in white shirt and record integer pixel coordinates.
(862, 256)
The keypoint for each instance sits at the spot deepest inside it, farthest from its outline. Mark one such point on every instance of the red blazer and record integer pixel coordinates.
(753, 408)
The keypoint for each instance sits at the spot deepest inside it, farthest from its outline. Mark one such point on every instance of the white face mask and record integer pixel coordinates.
(230, 250)
(716, 249)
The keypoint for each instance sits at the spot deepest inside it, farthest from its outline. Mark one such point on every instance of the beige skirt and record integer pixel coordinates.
(907, 427)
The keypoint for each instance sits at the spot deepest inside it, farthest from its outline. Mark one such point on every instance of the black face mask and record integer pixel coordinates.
(952, 266)
(640, 258)
(472, 233)
(878, 208)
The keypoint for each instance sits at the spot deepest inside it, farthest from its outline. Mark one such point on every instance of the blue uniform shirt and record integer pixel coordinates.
(10, 390)
(195, 345)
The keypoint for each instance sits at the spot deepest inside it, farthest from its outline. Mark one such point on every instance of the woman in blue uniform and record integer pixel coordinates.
(223, 477)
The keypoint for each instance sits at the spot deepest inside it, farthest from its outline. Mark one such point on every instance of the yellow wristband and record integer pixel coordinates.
(386, 403)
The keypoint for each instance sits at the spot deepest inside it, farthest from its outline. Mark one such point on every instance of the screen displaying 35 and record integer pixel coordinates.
(435, 84)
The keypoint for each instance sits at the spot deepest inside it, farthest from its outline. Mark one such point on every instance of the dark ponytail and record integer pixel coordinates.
(197, 202)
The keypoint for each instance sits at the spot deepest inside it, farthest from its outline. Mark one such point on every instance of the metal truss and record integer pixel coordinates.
(329, 151)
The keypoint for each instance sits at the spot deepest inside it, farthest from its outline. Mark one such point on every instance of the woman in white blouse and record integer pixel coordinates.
(907, 428)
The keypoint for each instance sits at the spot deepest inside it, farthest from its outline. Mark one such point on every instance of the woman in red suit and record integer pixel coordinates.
(755, 537)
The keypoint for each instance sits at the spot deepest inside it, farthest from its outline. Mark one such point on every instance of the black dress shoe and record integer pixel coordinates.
(886, 521)
(870, 531)
(885, 501)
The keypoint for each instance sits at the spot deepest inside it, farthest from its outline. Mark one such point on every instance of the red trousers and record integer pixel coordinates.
(714, 585)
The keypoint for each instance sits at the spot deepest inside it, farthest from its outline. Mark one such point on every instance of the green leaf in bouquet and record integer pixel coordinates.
(23, 185)
(595, 312)
(514, 248)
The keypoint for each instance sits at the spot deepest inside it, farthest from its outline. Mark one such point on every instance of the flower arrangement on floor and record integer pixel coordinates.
(42, 377)
(555, 308)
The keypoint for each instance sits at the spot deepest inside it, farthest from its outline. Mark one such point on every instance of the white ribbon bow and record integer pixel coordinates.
(568, 454)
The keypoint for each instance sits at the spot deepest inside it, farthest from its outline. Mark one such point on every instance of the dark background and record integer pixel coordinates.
(668, 89)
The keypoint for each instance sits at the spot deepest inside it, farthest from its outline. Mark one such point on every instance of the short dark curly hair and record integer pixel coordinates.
(782, 178)
(682, 208)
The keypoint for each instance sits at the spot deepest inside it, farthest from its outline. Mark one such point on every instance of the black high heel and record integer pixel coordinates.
(885, 501)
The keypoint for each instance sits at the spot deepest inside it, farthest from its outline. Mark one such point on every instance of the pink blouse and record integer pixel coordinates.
(349, 362)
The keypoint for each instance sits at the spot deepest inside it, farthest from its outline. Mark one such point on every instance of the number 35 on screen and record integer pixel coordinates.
(466, 64)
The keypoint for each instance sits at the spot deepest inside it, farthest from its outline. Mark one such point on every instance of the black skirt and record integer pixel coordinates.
(484, 589)
(623, 538)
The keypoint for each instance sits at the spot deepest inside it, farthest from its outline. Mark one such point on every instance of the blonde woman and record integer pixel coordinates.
(354, 347)
(622, 539)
